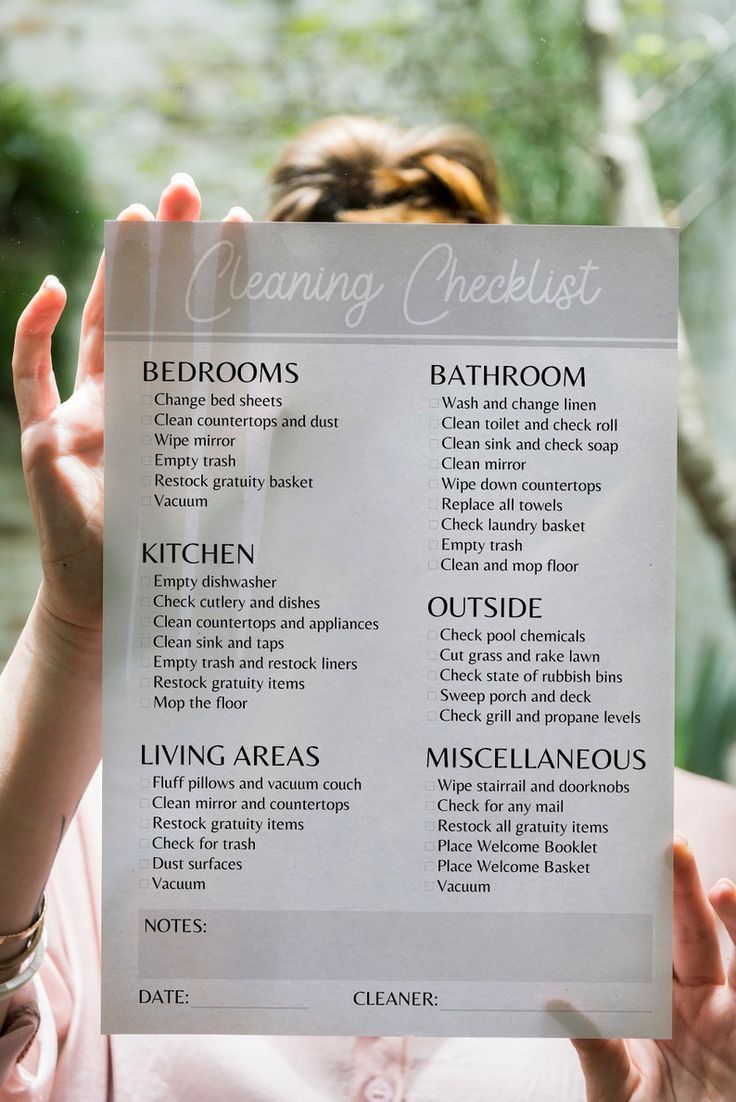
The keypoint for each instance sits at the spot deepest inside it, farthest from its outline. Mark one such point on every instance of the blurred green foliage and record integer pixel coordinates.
(520, 73)
(706, 722)
(47, 219)
(516, 72)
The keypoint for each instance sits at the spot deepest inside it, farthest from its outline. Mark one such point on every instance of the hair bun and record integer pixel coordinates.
(359, 169)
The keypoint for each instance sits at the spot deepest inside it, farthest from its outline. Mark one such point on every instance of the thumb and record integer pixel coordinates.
(607, 1069)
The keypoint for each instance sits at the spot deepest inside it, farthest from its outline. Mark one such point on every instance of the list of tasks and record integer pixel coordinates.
(389, 573)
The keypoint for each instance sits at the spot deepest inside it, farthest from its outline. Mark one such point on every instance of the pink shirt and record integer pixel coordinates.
(51, 1049)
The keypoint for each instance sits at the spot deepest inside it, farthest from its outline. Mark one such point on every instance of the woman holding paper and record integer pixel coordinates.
(50, 1048)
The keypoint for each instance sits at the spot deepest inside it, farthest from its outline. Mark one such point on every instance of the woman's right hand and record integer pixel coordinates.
(62, 442)
(50, 687)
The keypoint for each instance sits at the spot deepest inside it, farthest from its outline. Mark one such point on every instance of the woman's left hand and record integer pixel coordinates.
(699, 1063)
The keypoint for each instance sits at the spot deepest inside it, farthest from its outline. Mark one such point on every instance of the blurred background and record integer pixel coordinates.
(598, 111)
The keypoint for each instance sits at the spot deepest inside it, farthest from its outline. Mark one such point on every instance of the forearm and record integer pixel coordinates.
(50, 720)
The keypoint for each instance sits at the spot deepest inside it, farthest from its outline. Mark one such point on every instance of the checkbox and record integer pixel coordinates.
(434, 443)
(433, 484)
(429, 847)
(434, 524)
(434, 423)
(429, 806)
(145, 683)
(145, 824)
(433, 504)
(432, 564)
(431, 675)
(145, 621)
(145, 702)
(146, 480)
(146, 399)
(144, 803)
(431, 716)
(144, 863)
(145, 579)
(433, 545)
(145, 419)
(146, 441)
(146, 460)
(143, 843)
(431, 695)
(434, 403)
(142, 883)
(429, 786)
(428, 886)
(429, 866)
(432, 635)
(145, 500)
(429, 825)
(434, 464)
(145, 640)
(145, 662)
(432, 655)
(145, 602)
(145, 782)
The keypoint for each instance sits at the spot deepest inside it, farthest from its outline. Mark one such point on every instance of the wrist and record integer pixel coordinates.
(75, 649)
(50, 719)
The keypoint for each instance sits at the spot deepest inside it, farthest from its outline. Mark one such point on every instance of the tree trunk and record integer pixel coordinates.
(709, 477)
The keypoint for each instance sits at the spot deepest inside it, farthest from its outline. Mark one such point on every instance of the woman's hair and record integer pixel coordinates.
(358, 169)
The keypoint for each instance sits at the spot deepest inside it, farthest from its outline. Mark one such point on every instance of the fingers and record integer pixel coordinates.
(33, 378)
(92, 334)
(180, 200)
(607, 1068)
(723, 899)
(696, 953)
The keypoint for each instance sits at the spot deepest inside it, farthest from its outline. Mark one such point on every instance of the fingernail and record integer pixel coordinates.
(724, 882)
(182, 178)
(51, 281)
(682, 839)
(238, 213)
(138, 208)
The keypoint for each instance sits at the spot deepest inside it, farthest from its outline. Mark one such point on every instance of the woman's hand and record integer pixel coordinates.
(699, 1063)
(62, 443)
(51, 686)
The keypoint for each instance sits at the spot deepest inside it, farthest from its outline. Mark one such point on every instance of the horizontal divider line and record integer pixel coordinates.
(458, 338)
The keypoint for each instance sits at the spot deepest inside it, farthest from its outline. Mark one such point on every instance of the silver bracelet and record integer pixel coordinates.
(9, 987)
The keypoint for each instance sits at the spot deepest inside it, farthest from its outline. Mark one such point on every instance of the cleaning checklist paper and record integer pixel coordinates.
(389, 629)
